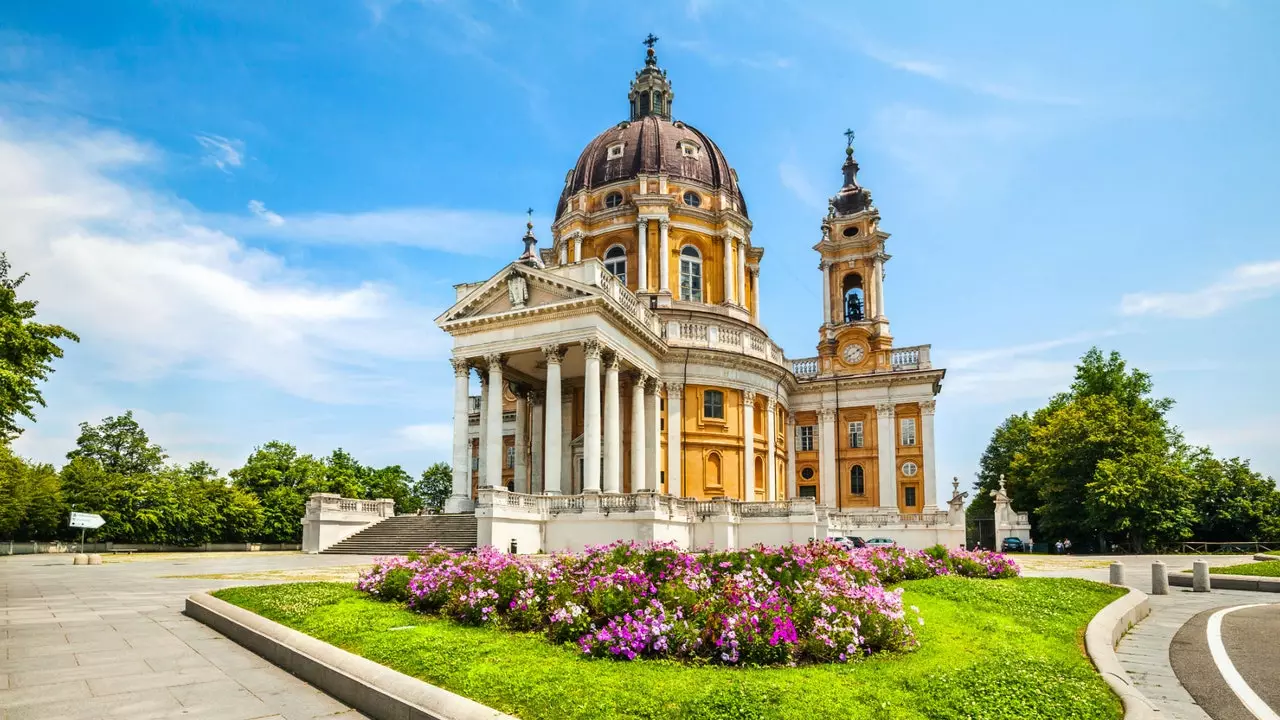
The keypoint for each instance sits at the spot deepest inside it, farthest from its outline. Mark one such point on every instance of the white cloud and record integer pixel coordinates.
(1251, 281)
(435, 438)
(793, 178)
(950, 153)
(997, 375)
(152, 290)
(259, 208)
(967, 79)
(222, 153)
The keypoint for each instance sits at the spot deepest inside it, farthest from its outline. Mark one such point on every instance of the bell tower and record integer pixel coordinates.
(854, 336)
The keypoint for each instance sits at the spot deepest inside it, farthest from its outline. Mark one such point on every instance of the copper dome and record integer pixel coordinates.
(651, 145)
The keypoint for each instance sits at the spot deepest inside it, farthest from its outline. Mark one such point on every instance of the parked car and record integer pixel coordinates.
(850, 543)
(880, 542)
(1013, 544)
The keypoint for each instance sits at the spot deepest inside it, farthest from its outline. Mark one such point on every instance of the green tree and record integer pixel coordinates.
(282, 480)
(27, 351)
(1009, 439)
(346, 476)
(393, 482)
(31, 505)
(1233, 502)
(435, 486)
(120, 445)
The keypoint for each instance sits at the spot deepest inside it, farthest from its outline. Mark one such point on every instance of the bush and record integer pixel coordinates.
(764, 606)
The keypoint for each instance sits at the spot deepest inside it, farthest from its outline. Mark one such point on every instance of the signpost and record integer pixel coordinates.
(85, 521)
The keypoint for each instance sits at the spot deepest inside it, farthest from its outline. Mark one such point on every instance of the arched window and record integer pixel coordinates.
(692, 199)
(713, 469)
(760, 478)
(615, 261)
(854, 301)
(613, 200)
(690, 274)
(857, 485)
(644, 103)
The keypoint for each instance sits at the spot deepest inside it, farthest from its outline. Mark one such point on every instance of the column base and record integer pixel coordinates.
(459, 504)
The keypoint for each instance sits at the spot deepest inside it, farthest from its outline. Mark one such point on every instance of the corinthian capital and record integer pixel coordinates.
(926, 407)
(460, 366)
(592, 348)
(553, 353)
(884, 409)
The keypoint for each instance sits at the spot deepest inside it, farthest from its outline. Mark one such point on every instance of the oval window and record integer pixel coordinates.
(613, 200)
(850, 231)
(909, 469)
(692, 199)
(807, 473)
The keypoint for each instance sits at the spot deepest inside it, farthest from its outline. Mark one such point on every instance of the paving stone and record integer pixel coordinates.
(38, 663)
(153, 703)
(152, 679)
(18, 697)
(32, 678)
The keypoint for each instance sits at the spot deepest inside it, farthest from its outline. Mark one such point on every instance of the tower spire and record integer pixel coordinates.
(530, 256)
(852, 197)
(650, 90)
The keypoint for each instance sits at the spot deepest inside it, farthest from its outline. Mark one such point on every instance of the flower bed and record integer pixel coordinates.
(785, 605)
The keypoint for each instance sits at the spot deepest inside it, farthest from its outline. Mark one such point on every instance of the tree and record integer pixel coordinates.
(393, 482)
(1009, 439)
(120, 445)
(1233, 502)
(435, 486)
(31, 504)
(282, 480)
(27, 351)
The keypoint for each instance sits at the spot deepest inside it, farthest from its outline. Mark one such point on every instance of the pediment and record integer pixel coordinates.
(516, 288)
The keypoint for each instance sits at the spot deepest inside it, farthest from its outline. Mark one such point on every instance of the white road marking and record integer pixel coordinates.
(1218, 651)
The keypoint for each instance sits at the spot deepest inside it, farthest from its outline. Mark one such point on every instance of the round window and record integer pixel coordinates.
(692, 199)
(613, 200)
(807, 473)
(909, 469)
(850, 231)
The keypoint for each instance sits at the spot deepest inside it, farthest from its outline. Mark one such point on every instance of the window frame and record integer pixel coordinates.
(697, 197)
(809, 470)
(615, 151)
(691, 291)
(907, 432)
(616, 198)
(860, 436)
(915, 469)
(802, 437)
(706, 398)
(857, 481)
(910, 497)
(622, 258)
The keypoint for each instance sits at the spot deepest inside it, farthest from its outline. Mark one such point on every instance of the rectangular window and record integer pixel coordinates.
(808, 491)
(511, 456)
(475, 463)
(806, 437)
(908, 431)
(909, 497)
(713, 404)
(855, 434)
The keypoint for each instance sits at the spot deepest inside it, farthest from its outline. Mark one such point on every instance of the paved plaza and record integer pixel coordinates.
(110, 641)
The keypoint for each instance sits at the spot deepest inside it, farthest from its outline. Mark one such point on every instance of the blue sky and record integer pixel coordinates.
(252, 214)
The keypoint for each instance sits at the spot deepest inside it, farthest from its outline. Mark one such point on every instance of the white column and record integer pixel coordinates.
(566, 441)
(577, 247)
(564, 252)
(749, 444)
(825, 266)
(642, 245)
(728, 269)
(552, 455)
(538, 402)
(664, 261)
(930, 502)
(612, 426)
(493, 435)
(878, 279)
(755, 296)
(459, 499)
(887, 448)
(520, 475)
(591, 419)
(827, 455)
(791, 455)
(770, 437)
(652, 435)
(638, 477)
(675, 398)
(482, 461)
(742, 272)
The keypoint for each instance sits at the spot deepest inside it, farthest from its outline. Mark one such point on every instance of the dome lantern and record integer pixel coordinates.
(650, 91)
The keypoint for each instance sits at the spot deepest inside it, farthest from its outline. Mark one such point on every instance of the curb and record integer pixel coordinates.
(1100, 638)
(372, 689)
(1264, 558)
(1230, 582)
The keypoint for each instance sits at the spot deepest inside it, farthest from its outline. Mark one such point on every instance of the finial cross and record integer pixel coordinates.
(651, 40)
(530, 213)
(848, 136)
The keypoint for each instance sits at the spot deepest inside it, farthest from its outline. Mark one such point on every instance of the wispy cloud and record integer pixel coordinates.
(430, 437)
(756, 61)
(968, 79)
(1248, 282)
(220, 152)
(155, 290)
(259, 209)
(794, 178)
(998, 375)
(948, 152)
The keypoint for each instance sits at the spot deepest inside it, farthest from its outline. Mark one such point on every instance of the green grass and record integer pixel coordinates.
(1265, 568)
(990, 649)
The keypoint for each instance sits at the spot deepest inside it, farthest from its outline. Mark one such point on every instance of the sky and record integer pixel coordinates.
(252, 215)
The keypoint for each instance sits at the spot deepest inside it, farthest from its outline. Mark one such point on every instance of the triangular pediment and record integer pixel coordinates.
(516, 289)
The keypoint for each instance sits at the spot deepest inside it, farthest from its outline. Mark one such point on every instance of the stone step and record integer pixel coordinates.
(404, 534)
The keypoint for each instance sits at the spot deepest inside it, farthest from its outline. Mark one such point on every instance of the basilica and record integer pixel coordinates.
(628, 389)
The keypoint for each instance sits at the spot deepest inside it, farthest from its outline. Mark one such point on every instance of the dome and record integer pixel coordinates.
(651, 145)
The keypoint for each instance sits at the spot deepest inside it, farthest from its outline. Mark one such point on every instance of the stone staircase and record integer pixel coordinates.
(409, 533)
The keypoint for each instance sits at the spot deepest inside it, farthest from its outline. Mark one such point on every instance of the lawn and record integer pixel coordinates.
(1266, 568)
(989, 649)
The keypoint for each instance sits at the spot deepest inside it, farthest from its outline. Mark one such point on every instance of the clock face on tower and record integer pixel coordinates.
(853, 353)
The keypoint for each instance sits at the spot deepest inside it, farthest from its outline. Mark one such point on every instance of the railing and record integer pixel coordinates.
(910, 358)
(723, 337)
(608, 282)
(332, 502)
(473, 404)
(847, 520)
(1235, 548)
(804, 367)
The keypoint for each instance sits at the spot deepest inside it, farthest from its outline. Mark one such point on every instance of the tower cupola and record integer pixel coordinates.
(650, 90)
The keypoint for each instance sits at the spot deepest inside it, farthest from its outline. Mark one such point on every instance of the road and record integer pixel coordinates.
(1229, 660)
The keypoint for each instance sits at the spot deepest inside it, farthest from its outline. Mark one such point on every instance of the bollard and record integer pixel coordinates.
(1117, 573)
(1200, 576)
(1159, 578)
(95, 559)
(80, 559)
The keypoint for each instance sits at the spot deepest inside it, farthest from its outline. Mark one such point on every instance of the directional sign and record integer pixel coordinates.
(86, 520)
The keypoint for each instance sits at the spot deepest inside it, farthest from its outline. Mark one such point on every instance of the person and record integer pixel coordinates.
(1066, 545)
(1057, 547)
